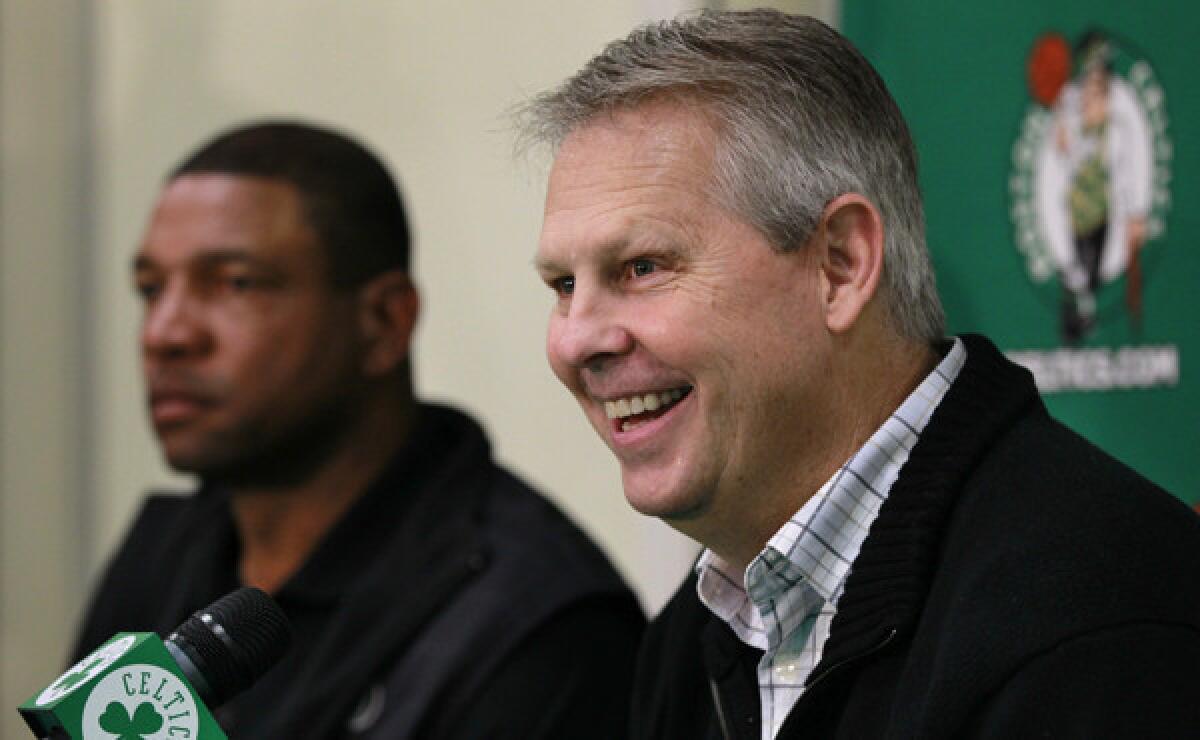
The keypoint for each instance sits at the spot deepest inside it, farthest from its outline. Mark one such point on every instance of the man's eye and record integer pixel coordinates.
(563, 285)
(641, 267)
(147, 289)
(240, 283)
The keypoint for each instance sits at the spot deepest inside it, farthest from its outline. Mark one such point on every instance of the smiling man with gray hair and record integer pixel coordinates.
(900, 542)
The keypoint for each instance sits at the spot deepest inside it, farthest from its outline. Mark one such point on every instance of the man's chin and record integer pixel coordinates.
(195, 463)
(671, 506)
(208, 456)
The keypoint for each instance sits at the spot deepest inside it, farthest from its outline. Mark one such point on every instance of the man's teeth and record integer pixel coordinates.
(621, 408)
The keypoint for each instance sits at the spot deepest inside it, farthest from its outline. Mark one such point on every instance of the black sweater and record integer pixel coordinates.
(1017, 583)
(451, 601)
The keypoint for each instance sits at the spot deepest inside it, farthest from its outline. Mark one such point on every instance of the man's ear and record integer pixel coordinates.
(852, 265)
(388, 306)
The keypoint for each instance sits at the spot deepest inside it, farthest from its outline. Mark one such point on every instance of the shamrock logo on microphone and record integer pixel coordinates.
(140, 702)
(145, 721)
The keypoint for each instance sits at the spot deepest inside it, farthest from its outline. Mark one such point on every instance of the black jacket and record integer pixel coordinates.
(1018, 583)
(450, 602)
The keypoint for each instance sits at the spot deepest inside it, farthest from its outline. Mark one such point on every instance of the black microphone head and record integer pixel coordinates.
(231, 643)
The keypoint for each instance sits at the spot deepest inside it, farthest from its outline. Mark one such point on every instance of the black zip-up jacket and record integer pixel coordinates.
(1018, 583)
(450, 602)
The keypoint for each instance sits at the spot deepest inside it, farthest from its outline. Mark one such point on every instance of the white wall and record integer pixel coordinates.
(427, 85)
(98, 100)
(42, 380)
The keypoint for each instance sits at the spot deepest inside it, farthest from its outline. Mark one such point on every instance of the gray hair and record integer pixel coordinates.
(802, 118)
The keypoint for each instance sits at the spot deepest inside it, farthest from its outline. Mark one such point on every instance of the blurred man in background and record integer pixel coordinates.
(900, 541)
(432, 593)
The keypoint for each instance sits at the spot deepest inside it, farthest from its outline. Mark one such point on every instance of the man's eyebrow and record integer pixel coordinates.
(546, 265)
(209, 258)
(608, 250)
(141, 262)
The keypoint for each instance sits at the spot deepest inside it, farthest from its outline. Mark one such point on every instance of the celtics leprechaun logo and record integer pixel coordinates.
(1090, 187)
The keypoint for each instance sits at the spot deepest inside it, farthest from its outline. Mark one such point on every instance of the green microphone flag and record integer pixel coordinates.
(140, 687)
(130, 688)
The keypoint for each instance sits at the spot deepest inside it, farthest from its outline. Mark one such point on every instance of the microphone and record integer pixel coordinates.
(140, 687)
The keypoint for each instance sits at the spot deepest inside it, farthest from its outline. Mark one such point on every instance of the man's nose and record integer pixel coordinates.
(174, 326)
(590, 332)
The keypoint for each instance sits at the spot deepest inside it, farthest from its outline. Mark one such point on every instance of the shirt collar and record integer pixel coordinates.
(817, 546)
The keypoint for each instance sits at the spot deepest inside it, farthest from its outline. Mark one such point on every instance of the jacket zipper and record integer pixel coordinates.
(873, 649)
(721, 720)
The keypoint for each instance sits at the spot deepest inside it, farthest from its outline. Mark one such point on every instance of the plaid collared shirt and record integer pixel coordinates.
(785, 601)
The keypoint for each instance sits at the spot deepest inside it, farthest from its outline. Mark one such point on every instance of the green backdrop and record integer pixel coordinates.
(959, 72)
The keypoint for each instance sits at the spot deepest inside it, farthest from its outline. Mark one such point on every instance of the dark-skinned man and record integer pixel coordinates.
(432, 593)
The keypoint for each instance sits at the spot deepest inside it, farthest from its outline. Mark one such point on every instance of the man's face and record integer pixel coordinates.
(1095, 96)
(249, 355)
(669, 305)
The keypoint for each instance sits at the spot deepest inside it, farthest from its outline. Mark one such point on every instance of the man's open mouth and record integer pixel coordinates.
(630, 413)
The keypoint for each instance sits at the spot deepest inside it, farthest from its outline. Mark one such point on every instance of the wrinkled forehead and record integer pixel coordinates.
(630, 155)
(657, 143)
